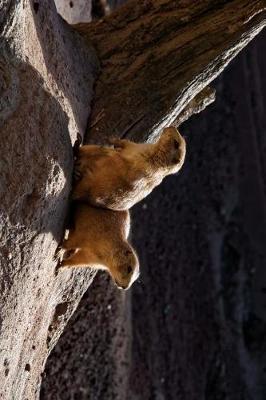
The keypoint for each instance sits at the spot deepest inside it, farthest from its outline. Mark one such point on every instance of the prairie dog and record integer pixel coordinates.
(117, 178)
(98, 240)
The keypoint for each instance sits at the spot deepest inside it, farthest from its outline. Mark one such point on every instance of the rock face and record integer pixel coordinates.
(92, 359)
(74, 11)
(157, 55)
(198, 312)
(46, 78)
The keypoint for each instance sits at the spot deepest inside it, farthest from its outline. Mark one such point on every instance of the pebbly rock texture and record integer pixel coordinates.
(197, 318)
(46, 78)
(92, 358)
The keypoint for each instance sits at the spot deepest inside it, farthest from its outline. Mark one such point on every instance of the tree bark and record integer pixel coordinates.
(157, 55)
(150, 70)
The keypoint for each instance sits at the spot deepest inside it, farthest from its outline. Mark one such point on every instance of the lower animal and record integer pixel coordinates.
(98, 239)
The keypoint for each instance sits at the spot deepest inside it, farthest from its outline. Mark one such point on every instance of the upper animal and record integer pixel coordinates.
(98, 239)
(117, 178)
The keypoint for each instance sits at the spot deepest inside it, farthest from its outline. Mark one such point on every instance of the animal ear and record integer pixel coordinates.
(173, 153)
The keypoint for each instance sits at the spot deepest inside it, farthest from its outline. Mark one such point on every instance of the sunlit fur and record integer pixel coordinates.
(119, 177)
(98, 240)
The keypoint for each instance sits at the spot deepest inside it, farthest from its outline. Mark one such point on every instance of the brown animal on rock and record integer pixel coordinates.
(117, 178)
(98, 239)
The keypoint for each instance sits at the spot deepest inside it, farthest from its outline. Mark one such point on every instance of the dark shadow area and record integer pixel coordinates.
(100, 8)
(198, 310)
(5, 6)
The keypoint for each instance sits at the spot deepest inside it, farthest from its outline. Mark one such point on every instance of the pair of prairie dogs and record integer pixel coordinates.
(109, 181)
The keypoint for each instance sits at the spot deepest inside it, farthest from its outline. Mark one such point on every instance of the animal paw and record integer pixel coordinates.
(118, 144)
(77, 175)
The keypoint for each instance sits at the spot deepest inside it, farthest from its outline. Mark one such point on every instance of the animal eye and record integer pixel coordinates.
(176, 159)
(176, 144)
(129, 269)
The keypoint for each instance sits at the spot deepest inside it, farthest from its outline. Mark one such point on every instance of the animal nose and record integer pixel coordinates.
(118, 284)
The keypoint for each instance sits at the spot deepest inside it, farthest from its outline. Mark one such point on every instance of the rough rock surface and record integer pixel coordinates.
(74, 11)
(46, 78)
(198, 311)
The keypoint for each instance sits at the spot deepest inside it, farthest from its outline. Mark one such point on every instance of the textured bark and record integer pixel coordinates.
(157, 55)
(46, 78)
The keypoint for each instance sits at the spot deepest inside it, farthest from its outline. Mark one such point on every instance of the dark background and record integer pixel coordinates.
(193, 327)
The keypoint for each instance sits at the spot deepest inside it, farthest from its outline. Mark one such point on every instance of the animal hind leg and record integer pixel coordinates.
(119, 143)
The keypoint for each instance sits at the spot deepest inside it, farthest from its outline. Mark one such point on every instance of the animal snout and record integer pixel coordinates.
(120, 286)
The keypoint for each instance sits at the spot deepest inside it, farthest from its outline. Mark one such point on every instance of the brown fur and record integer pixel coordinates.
(119, 177)
(98, 240)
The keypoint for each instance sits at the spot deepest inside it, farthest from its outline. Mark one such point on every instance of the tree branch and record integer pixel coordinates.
(157, 55)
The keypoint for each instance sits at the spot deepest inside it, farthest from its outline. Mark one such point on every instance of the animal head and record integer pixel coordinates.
(172, 149)
(124, 266)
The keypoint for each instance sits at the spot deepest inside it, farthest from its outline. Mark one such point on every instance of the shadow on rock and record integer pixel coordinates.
(36, 153)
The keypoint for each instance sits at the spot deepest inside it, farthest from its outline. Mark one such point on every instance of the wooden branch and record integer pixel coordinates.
(157, 55)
